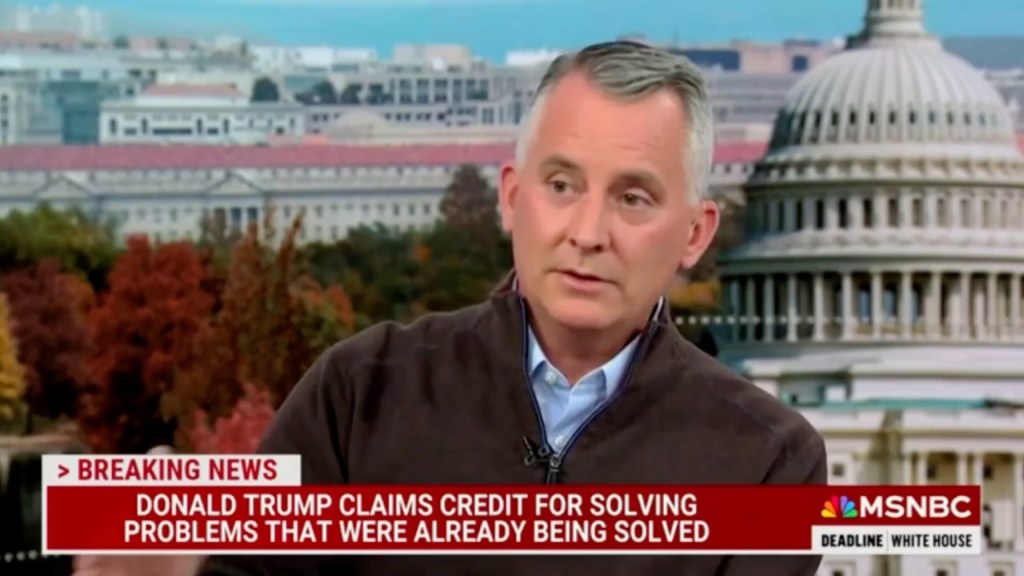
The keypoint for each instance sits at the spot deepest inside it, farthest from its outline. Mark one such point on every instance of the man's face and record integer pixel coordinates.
(600, 211)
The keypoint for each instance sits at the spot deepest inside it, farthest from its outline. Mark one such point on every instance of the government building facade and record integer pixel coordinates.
(164, 192)
(879, 287)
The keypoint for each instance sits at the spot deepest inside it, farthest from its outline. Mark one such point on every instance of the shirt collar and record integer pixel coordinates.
(612, 371)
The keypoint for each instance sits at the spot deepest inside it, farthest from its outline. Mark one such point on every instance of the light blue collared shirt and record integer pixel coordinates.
(564, 407)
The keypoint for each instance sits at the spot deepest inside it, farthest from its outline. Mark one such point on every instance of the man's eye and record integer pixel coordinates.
(559, 186)
(630, 199)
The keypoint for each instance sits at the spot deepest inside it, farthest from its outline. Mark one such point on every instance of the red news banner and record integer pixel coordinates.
(256, 504)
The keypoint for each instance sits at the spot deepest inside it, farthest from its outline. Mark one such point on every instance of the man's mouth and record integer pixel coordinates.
(582, 276)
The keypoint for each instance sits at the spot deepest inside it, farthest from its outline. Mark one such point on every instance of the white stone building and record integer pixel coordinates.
(197, 114)
(880, 285)
(163, 191)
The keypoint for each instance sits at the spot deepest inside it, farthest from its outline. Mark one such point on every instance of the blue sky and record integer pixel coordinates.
(492, 27)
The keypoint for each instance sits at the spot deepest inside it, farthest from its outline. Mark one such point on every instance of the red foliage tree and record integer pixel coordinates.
(143, 331)
(238, 432)
(49, 327)
(271, 324)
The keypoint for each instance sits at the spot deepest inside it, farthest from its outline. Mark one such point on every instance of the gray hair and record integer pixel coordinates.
(629, 70)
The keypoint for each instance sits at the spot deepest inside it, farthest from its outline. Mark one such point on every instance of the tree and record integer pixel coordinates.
(240, 431)
(81, 243)
(272, 323)
(121, 42)
(327, 314)
(470, 204)
(48, 309)
(467, 252)
(377, 268)
(11, 372)
(265, 90)
(143, 330)
(322, 92)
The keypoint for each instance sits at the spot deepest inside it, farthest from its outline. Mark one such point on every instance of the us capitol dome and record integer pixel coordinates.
(879, 284)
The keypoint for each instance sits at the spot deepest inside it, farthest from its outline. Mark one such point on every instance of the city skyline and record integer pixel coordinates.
(526, 24)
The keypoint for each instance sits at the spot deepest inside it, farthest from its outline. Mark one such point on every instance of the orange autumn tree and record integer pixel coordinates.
(271, 324)
(143, 330)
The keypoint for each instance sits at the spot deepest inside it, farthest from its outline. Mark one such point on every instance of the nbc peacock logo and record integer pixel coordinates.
(839, 507)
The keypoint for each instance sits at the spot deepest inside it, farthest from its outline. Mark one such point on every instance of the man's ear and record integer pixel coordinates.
(508, 187)
(703, 228)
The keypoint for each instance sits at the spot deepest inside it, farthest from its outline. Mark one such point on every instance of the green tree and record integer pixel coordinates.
(376, 267)
(467, 251)
(470, 205)
(81, 243)
(12, 374)
(322, 92)
(265, 90)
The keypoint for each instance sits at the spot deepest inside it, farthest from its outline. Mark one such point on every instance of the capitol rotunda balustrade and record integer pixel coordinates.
(877, 262)
(913, 303)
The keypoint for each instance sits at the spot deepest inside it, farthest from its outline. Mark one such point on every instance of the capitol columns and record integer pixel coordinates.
(750, 316)
(992, 318)
(876, 304)
(978, 470)
(906, 302)
(1015, 312)
(961, 468)
(1017, 477)
(846, 293)
(963, 326)
(933, 315)
(922, 467)
(819, 305)
(792, 315)
(907, 460)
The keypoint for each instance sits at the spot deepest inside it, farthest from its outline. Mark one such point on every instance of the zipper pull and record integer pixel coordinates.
(535, 455)
(554, 467)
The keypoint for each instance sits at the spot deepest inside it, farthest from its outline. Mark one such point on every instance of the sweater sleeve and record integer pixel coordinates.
(313, 423)
(801, 461)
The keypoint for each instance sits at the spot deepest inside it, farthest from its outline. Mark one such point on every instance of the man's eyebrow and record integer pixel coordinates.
(645, 178)
(559, 161)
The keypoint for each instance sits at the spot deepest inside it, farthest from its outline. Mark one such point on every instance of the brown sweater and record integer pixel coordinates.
(447, 400)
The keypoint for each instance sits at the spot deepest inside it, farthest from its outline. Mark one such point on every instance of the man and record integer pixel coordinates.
(572, 372)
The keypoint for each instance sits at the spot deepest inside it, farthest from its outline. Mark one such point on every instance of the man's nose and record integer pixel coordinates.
(589, 228)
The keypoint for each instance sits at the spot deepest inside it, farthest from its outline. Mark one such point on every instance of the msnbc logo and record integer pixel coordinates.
(839, 507)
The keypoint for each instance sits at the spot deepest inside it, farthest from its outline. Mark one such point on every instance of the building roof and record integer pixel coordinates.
(930, 404)
(906, 404)
(194, 90)
(894, 84)
(25, 38)
(155, 157)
